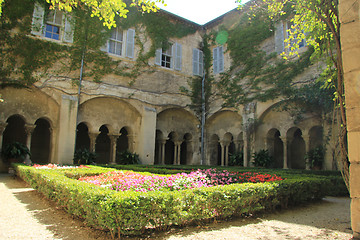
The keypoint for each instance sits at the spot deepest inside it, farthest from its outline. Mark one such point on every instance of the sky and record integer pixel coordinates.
(199, 11)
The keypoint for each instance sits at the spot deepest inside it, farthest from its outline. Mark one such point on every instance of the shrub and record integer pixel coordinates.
(15, 150)
(84, 156)
(316, 157)
(126, 157)
(262, 159)
(132, 212)
(236, 159)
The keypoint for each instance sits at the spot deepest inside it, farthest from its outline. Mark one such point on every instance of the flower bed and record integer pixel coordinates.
(133, 212)
(128, 180)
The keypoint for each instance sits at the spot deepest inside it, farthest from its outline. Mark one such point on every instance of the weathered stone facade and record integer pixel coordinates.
(350, 45)
(152, 116)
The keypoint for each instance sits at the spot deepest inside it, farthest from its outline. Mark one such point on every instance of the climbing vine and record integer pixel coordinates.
(256, 75)
(26, 59)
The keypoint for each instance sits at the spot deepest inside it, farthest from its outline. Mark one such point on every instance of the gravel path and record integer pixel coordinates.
(25, 214)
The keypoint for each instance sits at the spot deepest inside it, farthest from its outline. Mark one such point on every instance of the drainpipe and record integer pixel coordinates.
(202, 160)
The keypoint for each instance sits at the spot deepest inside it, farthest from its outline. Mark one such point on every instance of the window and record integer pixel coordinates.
(198, 62)
(116, 41)
(218, 60)
(170, 57)
(289, 29)
(55, 25)
(120, 43)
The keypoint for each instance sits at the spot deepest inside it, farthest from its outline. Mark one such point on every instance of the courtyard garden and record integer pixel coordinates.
(133, 199)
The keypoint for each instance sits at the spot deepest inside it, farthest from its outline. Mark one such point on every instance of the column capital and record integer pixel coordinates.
(93, 135)
(177, 143)
(29, 128)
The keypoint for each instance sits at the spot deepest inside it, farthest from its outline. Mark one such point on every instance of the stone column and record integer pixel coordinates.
(307, 148)
(285, 143)
(227, 154)
(113, 143)
(178, 152)
(162, 142)
(29, 129)
(2, 129)
(246, 146)
(222, 152)
(266, 143)
(93, 137)
(131, 142)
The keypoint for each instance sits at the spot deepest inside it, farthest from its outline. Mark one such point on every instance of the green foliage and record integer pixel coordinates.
(236, 159)
(84, 156)
(134, 212)
(262, 159)
(25, 60)
(316, 157)
(15, 150)
(126, 157)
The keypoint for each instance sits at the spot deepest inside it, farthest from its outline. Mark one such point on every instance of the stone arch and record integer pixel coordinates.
(275, 147)
(316, 135)
(159, 148)
(82, 136)
(214, 150)
(113, 112)
(186, 150)
(102, 147)
(297, 148)
(170, 148)
(122, 142)
(15, 130)
(41, 142)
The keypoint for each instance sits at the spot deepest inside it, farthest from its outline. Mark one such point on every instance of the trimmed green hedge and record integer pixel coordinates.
(134, 212)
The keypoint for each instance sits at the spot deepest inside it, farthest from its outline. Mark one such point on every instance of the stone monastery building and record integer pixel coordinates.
(138, 104)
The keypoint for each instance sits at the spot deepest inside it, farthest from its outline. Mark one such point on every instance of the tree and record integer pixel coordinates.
(105, 10)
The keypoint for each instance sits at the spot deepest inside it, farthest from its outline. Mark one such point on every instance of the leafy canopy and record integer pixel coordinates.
(105, 10)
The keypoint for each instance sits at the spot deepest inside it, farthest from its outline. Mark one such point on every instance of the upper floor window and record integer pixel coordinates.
(198, 62)
(120, 42)
(116, 41)
(170, 57)
(282, 33)
(289, 30)
(55, 25)
(218, 60)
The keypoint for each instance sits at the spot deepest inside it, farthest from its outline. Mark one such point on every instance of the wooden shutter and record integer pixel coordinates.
(38, 20)
(279, 37)
(177, 56)
(201, 63)
(195, 61)
(130, 43)
(68, 29)
(158, 56)
(221, 59)
(215, 60)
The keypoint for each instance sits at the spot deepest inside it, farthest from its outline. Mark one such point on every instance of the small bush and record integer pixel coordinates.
(84, 156)
(15, 150)
(316, 157)
(236, 159)
(126, 157)
(262, 159)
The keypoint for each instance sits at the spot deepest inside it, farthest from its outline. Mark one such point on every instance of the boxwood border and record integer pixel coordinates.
(131, 212)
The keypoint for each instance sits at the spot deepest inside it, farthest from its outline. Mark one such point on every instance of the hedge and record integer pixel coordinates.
(134, 212)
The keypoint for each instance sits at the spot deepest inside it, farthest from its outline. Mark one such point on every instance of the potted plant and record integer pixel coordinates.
(262, 158)
(84, 156)
(15, 152)
(315, 157)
